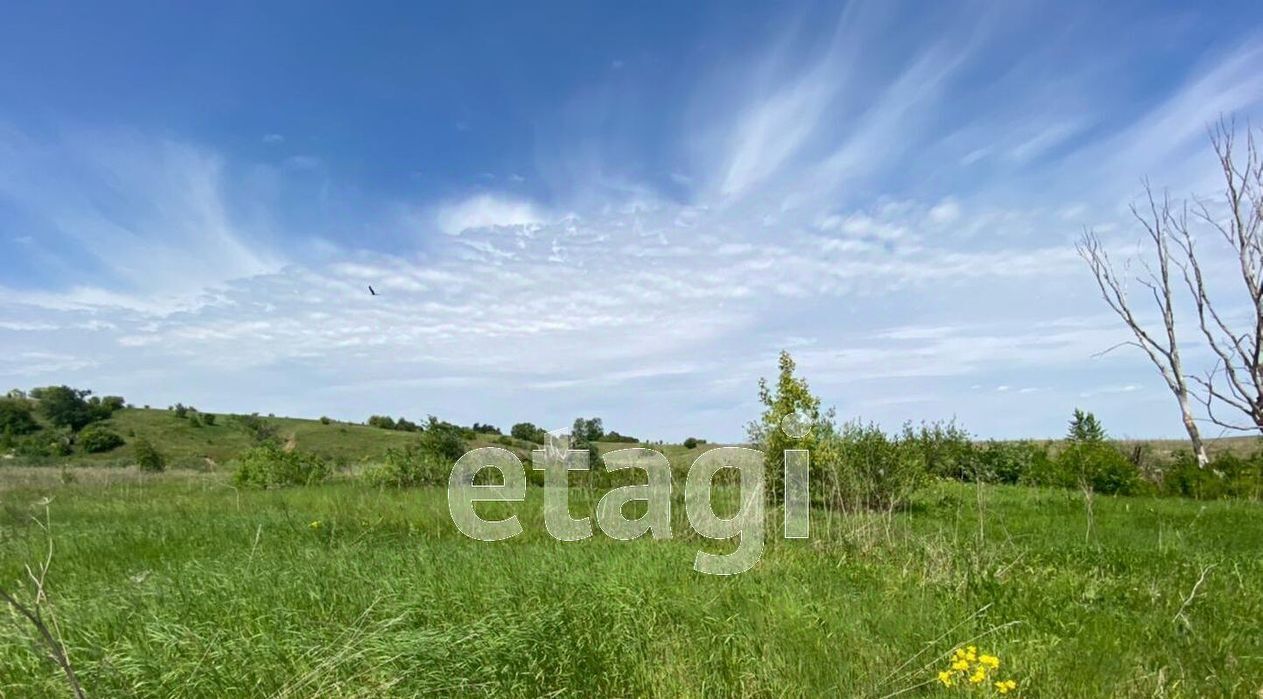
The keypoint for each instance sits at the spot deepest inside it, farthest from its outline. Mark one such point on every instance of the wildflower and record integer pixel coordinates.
(971, 653)
(979, 676)
(990, 661)
(1005, 686)
(315, 524)
(960, 665)
(946, 678)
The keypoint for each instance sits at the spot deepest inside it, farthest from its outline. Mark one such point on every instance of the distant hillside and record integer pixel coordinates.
(192, 444)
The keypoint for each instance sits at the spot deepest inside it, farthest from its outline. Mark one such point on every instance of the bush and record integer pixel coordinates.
(194, 420)
(1100, 466)
(409, 466)
(181, 410)
(256, 428)
(16, 417)
(690, 443)
(147, 457)
(948, 450)
(1227, 476)
(270, 466)
(324, 420)
(442, 441)
(208, 419)
(866, 469)
(1011, 462)
(384, 422)
(95, 439)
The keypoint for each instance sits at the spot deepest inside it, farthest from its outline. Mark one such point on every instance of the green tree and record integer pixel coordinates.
(528, 432)
(589, 430)
(807, 429)
(65, 406)
(1084, 427)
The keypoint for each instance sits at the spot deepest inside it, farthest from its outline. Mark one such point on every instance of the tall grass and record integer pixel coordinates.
(179, 585)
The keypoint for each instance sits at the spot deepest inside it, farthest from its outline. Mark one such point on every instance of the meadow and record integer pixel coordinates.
(181, 584)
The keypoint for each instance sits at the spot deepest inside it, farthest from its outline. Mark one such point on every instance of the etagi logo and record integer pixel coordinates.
(557, 459)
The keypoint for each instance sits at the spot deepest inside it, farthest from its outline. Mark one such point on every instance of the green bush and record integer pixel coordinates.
(147, 457)
(690, 443)
(442, 441)
(95, 439)
(1227, 476)
(866, 469)
(16, 417)
(1011, 462)
(208, 419)
(409, 466)
(270, 466)
(948, 450)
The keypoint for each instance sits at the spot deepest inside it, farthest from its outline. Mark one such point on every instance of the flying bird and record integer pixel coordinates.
(370, 290)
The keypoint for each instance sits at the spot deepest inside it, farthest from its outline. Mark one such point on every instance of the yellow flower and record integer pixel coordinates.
(971, 653)
(946, 678)
(315, 524)
(1005, 686)
(961, 665)
(979, 676)
(990, 661)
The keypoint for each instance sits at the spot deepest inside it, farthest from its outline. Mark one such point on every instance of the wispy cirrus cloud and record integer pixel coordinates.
(897, 208)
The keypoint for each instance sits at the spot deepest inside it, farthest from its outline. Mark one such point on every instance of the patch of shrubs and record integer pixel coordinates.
(95, 439)
(270, 466)
(691, 443)
(864, 468)
(409, 466)
(147, 457)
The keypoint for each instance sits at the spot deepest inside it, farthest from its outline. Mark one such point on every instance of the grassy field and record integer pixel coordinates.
(179, 585)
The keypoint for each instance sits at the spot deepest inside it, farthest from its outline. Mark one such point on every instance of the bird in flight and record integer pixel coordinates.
(370, 290)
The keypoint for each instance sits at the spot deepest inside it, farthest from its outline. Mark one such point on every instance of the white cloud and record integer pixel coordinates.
(484, 211)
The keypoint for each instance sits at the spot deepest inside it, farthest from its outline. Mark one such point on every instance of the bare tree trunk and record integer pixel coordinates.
(1163, 350)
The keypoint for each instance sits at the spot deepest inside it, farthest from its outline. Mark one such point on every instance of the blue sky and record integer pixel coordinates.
(613, 209)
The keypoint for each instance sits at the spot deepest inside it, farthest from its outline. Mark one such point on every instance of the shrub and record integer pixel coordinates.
(442, 441)
(181, 410)
(256, 428)
(505, 440)
(147, 457)
(384, 422)
(1099, 466)
(624, 438)
(865, 468)
(1227, 476)
(269, 466)
(194, 420)
(405, 425)
(95, 439)
(208, 419)
(948, 450)
(484, 429)
(409, 466)
(325, 420)
(1012, 462)
(690, 443)
(16, 417)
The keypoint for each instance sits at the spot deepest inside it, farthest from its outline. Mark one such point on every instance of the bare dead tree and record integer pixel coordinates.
(1164, 349)
(1234, 385)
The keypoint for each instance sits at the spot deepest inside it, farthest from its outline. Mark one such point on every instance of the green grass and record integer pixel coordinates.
(181, 586)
